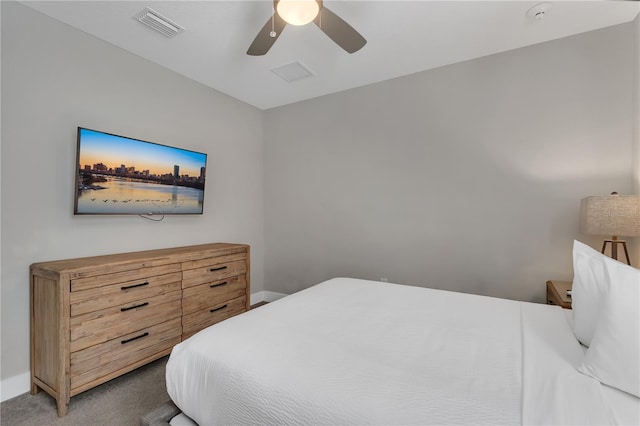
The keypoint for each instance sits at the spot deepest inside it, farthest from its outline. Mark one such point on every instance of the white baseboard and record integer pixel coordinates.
(14, 386)
(17, 385)
(266, 296)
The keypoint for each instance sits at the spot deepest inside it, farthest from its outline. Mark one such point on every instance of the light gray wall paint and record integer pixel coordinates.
(635, 242)
(55, 78)
(467, 177)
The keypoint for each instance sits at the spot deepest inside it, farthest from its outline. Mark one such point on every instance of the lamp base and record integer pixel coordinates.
(614, 248)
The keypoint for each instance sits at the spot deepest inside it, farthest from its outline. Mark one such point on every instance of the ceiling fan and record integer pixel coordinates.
(302, 12)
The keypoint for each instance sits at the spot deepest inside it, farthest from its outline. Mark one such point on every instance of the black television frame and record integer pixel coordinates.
(188, 187)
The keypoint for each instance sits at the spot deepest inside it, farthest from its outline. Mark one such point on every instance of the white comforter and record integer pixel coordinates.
(352, 351)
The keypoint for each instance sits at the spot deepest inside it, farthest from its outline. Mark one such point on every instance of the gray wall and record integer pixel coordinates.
(635, 246)
(467, 177)
(55, 78)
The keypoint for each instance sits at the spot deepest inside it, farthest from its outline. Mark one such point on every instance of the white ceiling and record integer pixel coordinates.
(403, 37)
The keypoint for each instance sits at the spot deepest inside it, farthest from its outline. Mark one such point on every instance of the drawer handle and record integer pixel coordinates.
(134, 286)
(134, 306)
(145, 334)
(217, 269)
(217, 285)
(218, 309)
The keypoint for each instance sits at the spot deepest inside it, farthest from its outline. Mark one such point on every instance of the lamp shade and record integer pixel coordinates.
(616, 215)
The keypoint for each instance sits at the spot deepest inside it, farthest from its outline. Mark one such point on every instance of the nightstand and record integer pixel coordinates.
(557, 293)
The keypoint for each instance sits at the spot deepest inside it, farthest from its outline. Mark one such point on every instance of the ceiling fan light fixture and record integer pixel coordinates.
(298, 12)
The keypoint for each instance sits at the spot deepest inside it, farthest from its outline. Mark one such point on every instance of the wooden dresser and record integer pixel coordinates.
(96, 318)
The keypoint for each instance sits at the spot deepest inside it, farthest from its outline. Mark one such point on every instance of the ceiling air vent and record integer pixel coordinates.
(292, 72)
(155, 21)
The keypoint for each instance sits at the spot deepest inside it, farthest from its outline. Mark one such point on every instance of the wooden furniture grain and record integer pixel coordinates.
(557, 293)
(96, 318)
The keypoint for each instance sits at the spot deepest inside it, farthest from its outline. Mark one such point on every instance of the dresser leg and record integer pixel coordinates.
(34, 388)
(63, 407)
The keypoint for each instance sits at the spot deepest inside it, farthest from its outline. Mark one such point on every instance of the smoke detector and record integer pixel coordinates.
(159, 23)
(539, 11)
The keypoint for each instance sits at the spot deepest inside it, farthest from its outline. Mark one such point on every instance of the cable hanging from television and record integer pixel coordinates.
(149, 217)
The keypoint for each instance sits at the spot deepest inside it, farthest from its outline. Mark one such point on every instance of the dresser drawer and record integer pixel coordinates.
(212, 270)
(140, 275)
(203, 296)
(196, 321)
(213, 260)
(94, 299)
(100, 360)
(99, 326)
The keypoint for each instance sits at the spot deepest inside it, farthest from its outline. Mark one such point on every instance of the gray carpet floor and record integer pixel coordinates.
(119, 402)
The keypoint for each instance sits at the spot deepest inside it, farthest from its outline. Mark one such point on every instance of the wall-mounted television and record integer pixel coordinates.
(121, 175)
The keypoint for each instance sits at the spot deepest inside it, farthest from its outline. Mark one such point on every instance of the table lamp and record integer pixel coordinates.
(615, 215)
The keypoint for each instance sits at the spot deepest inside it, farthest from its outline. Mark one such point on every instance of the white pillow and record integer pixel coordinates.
(589, 290)
(614, 355)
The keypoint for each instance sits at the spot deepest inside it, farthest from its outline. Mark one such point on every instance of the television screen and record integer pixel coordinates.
(121, 175)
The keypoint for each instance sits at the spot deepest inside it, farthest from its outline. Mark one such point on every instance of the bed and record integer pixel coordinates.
(351, 351)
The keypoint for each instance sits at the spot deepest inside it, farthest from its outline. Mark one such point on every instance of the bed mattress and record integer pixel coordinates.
(351, 351)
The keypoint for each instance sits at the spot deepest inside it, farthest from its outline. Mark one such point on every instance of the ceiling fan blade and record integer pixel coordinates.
(339, 31)
(263, 41)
